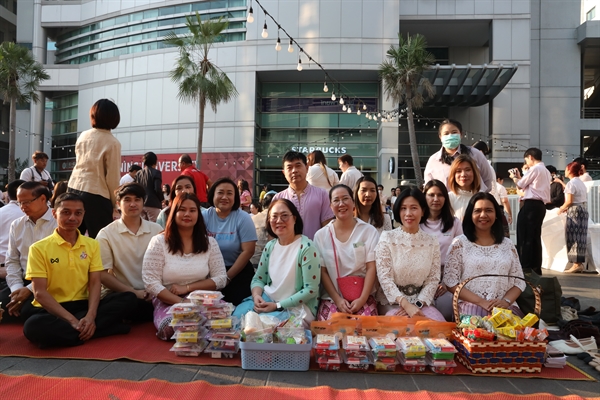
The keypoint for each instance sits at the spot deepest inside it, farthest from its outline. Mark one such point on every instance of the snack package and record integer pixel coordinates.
(387, 364)
(184, 311)
(251, 323)
(529, 320)
(218, 311)
(443, 370)
(188, 325)
(412, 365)
(355, 346)
(223, 324)
(440, 349)
(383, 347)
(189, 349)
(411, 347)
(357, 363)
(205, 297)
(222, 346)
(329, 363)
(187, 337)
(264, 336)
(322, 327)
(434, 329)
(469, 321)
(291, 335)
(330, 342)
(478, 334)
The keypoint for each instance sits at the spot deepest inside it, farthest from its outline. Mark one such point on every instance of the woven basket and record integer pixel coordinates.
(498, 356)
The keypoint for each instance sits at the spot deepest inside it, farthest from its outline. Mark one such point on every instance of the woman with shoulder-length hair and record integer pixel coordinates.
(442, 224)
(368, 204)
(96, 174)
(235, 233)
(482, 249)
(577, 217)
(319, 174)
(181, 184)
(289, 272)
(463, 183)
(408, 261)
(180, 260)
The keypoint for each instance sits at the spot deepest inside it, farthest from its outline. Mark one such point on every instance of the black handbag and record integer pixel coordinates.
(550, 291)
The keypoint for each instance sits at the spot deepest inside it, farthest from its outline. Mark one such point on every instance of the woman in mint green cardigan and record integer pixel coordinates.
(289, 271)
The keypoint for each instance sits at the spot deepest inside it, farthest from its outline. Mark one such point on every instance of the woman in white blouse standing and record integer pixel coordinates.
(347, 248)
(463, 183)
(180, 260)
(408, 261)
(442, 224)
(577, 217)
(481, 250)
(368, 205)
(319, 174)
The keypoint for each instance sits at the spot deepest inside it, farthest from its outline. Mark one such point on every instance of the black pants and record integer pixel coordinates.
(98, 212)
(46, 330)
(27, 309)
(529, 234)
(144, 311)
(239, 287)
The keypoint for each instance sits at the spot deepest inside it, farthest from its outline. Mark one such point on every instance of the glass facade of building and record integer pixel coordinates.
(144, 31)
(301, 117)
(64, 135)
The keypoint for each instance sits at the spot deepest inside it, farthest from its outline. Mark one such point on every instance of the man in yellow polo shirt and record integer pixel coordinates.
(65, 269)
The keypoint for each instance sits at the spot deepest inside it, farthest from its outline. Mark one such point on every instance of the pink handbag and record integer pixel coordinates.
(351, 287)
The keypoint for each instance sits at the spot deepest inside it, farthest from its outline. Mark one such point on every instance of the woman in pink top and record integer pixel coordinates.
(245, 196)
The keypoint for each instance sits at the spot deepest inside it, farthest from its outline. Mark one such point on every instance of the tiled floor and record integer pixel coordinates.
(585, 287)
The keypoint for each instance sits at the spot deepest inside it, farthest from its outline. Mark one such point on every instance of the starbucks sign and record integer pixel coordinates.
(325, 150)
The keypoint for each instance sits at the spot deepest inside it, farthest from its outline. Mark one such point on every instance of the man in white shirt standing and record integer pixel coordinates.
(38, 172)
(585, 177)
(536, 185)
(130, 176)
(35, 225)
(349, 172)
(123, 244)
(8, 214)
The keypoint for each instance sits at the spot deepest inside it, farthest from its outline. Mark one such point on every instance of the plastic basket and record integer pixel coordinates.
(276, 356)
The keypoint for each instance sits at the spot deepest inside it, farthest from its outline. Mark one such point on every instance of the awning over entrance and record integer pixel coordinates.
(467, 85)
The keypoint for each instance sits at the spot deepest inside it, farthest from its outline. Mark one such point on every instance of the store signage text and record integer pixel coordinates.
(325, 150)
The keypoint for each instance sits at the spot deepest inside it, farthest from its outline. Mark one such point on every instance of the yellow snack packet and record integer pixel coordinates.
(498, 318)
(529, 320)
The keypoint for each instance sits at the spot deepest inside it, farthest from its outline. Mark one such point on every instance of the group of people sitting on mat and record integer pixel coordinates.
(69, 288)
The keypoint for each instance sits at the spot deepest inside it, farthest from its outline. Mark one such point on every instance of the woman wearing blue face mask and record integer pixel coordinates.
(438, 166)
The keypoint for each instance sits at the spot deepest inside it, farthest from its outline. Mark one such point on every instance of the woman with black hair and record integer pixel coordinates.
(319, 174)
(438, 165)
(96, 174)
(236, 235)
(408, 261)
(181, 184)
(368, 205)
(180, 260)
(442, 224)
(483, 249)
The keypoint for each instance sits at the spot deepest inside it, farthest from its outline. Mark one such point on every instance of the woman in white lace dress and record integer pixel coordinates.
(463, 183)
(368, 204)
(408, 261)
(180, 260)
(483, 249)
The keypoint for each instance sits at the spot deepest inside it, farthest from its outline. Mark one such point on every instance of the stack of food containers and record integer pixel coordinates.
(411, 354)
(189, 332)
(440, 357)
(327, 352)
(223, 330)
(356, 352)
(384, 353)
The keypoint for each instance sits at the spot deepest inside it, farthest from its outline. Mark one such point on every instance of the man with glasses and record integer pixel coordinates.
(36, 224)
(312, 202)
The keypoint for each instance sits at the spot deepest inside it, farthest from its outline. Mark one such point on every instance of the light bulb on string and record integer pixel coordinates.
(299, 67)
(364, 107)
(333, 96)
(357, 113)
(344, 107)
(264, 33)
(278, 44)
(379, 115)
(290, 47)
(325, 88)
(349, 110)
(375, 117)
(342, 100)
(250, 18)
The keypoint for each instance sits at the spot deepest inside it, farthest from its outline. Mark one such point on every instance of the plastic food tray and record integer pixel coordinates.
(276, 356)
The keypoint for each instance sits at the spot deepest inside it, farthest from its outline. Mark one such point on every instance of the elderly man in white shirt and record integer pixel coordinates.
(35, 225)
(349, 172)
(123, 244)
(8, 214)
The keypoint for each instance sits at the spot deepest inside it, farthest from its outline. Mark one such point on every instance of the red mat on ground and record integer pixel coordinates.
(36, 387)
(142, 345)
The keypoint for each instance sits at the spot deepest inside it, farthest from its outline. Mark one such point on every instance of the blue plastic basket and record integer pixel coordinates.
(276, 356)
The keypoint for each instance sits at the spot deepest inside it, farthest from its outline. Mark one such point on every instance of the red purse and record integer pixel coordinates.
(351, 287)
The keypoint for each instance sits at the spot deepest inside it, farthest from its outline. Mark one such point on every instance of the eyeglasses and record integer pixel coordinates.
(27, 202)
(282, 217)
(345, 200)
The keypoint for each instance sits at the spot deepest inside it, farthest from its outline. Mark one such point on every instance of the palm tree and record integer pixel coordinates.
(20, 77)
(404, 83)
(200, 80)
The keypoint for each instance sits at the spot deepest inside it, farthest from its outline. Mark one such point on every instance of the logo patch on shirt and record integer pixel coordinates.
(53, 260)
(83, 255)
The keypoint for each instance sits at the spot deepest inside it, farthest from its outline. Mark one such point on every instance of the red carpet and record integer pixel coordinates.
(142, 345)
(35, 387)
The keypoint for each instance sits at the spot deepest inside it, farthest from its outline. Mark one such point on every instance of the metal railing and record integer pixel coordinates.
(590, 113)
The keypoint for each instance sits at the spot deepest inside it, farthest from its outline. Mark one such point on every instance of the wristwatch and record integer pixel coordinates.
(278, 307)
(419, 303)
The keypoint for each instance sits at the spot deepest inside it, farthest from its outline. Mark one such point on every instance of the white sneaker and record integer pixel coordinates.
(574, 346)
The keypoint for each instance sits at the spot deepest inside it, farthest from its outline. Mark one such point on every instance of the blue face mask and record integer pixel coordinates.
(450, 142)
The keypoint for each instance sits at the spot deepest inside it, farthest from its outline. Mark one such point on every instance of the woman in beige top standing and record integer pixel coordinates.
(96, 174)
